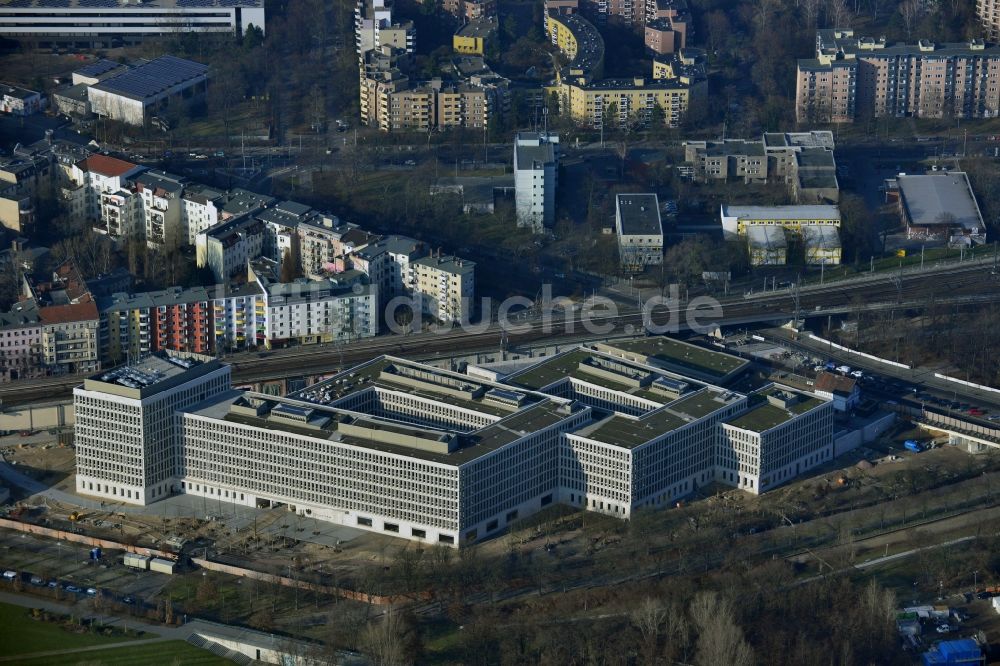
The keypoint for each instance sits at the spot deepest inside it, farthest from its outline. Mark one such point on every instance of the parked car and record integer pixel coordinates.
(128, 600)
(92, 591)
(37, 580)
(9, 575)
(857, 374)
(73, 588)
(943, 628)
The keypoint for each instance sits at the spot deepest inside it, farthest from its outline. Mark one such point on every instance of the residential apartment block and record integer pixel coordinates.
(988, 13)
(594, 101)
(19, 101)
(21, 344)
(471, 10)
(445, 286)
(134, 325)
(536, 177)
(337, 309)
(240, 318)
(54, 326)
(374, 29)
(86, 180)
(458, 457)
(802, 160)
(391, 101)
(226, 248)
(853, 77)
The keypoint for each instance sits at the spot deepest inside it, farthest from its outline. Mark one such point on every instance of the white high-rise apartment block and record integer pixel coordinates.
(125, 424)
(536, 176)
(400, 448)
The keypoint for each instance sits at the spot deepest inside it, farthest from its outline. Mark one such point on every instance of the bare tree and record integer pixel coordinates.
(720, 639)
(810, 11)
(383, 640)
(838, 15)
(647, 617)
(910, 11)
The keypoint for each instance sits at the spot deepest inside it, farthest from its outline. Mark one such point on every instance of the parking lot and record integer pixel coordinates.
(70, 567)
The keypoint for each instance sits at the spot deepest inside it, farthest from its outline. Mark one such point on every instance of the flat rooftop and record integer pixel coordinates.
(815, 138)
(765, 416)
(369, 375)
(680, 356)
(151, 374)
(559, 367)
(940, 199)
(638, 215)
(478, 28)
(90, 5)
(817, 212)
(629, 432)
(815, 157)
(324, 420)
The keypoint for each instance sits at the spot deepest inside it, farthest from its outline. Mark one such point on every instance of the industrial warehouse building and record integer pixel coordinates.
(138, 94)
(110, 23)
(400, 448)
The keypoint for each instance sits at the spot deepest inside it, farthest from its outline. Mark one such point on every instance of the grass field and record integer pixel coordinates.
(154, 654)
(20, 635)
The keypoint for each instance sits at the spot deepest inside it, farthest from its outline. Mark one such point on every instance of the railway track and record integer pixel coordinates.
(816, 300)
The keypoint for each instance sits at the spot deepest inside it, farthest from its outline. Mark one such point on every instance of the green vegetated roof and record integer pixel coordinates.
(765, 416)
(684, 355)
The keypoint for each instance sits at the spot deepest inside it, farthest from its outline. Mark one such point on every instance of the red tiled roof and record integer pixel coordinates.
(831, 383)
(61, 314)
(105, 165)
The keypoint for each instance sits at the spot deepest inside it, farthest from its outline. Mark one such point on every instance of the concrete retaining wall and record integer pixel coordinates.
(37, 417)
(870, 357)
(63, 535)
(965, 383)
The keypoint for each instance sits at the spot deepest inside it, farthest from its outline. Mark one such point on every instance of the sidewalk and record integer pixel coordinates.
(156, 631)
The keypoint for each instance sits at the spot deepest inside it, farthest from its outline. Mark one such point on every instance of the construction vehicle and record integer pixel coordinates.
(75, 516)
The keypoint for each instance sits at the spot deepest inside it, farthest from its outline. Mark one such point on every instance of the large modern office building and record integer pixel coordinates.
(96, 23)
(405, 449)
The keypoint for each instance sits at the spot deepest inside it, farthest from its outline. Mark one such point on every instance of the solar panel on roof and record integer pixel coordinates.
(154, 77)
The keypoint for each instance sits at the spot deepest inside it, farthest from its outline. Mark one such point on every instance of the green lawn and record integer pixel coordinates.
(154, 654)
(19, 634)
